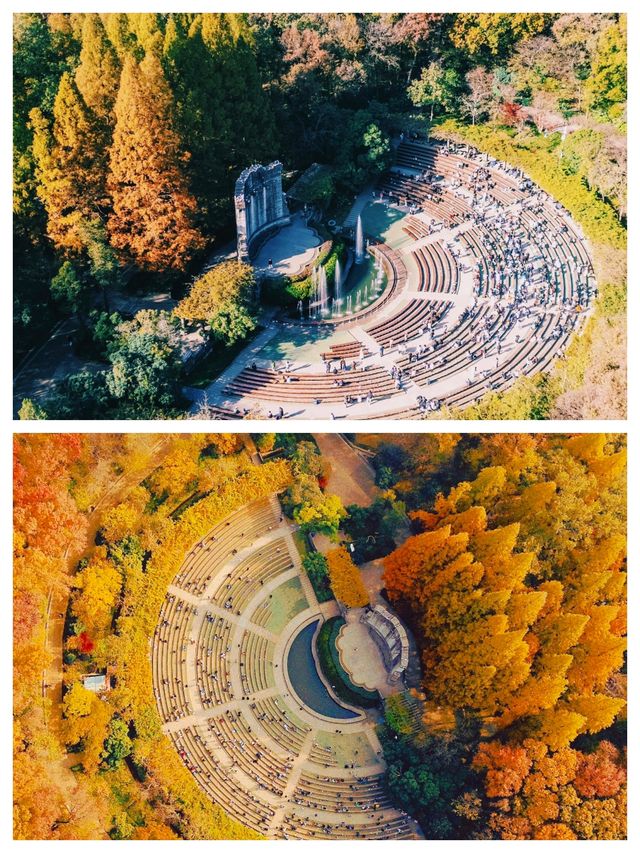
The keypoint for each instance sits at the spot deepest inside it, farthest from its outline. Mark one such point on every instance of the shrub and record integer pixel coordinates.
(315, 565)
(265, 442)
(313, 510)
(397, 715)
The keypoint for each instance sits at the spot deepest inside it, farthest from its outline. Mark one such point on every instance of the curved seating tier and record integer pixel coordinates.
(239, 530)
(241, 583)
(417, 316)
(170, 646)
(322, 793)
(531, 270)
(380, 826)
(270, 385)
(217, 782)
(491, 277)
(225, 707)
(439, 272)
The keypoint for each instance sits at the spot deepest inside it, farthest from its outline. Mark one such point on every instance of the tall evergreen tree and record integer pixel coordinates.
(40, 57)
(98, 74)
(152, 221)
(221, 108)
(70, 166)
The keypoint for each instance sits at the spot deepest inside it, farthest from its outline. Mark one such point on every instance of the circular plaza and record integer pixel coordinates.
(472, 277)
(244, 701)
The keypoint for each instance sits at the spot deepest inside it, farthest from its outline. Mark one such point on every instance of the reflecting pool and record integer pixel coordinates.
(305, 680)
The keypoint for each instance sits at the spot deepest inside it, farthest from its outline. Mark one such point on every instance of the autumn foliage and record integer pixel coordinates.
(174, 490)
(515, 586)
(346, 582)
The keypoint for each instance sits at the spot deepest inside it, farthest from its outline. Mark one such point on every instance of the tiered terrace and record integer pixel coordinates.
(491, 278)
(251, 744)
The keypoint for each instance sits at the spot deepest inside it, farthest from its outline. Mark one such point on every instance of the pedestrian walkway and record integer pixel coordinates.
(358, 206)
(351, 478)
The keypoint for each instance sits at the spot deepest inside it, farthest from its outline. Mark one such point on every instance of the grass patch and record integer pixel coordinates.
(288, 600)
(332, 669)
(346, 748)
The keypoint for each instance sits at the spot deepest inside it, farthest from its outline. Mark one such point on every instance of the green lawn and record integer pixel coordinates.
(347, 748)
(288, 600)
(301, 543)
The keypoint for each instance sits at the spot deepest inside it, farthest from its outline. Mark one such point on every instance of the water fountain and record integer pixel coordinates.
(313, 297)
(349, 304)
(359, 241)
(337, 289)
(323, 298)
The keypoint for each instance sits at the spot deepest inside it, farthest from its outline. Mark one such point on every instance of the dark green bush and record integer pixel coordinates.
(315, 565)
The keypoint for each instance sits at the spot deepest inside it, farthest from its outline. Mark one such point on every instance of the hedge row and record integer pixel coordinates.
(332, 669)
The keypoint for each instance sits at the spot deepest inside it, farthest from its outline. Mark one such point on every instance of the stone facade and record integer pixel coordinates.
(391, 638)
(260, 206)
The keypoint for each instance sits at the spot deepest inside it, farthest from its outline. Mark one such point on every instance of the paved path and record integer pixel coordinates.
(52, 362)
(214, 393)
(360, 656)
(352, 478)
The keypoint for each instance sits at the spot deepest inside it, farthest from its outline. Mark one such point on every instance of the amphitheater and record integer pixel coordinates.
(276, 750)
(486, 279)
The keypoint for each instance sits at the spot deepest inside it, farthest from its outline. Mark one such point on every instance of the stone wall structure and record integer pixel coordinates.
(260, 207)
(391, 638)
